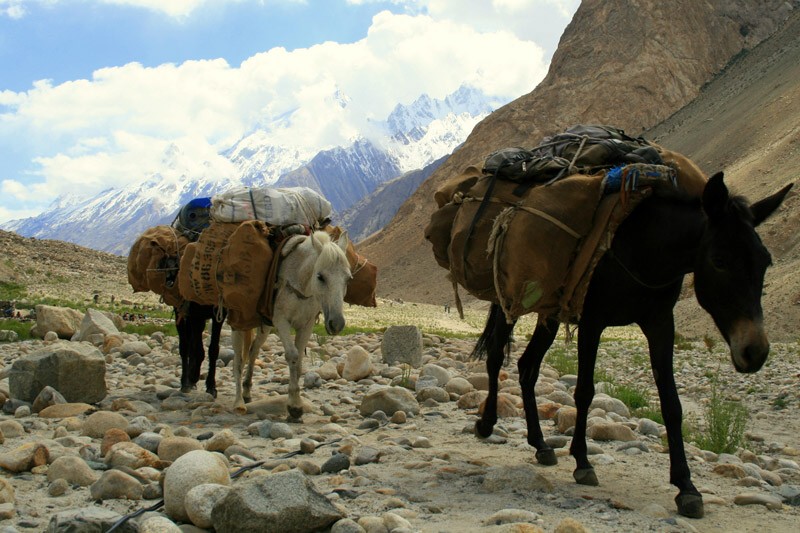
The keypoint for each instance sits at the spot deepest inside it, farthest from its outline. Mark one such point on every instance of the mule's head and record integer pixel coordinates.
(328, 281)
(729, 273)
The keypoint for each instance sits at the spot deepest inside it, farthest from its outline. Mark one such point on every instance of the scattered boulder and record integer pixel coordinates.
(402, 344)
(63, 321)
(194, 468)
(88, 519)
(286, 502)
(94, 322)
(389, 400)
(357, 364)
(76, 370)
(73, 469)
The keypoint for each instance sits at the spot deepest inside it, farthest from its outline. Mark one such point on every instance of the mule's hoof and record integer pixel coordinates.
(295, 414)
(482, 431)
(212, 392)
(585, 476)
(546, 457)
(240, 410)
(690, 505)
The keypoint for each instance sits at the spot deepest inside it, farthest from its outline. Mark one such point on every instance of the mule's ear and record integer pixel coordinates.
(344, 240)
(764, 208)
(715, 196)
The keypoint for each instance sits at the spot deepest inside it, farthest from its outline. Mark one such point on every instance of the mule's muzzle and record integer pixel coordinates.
(334, 325)
(749, 346)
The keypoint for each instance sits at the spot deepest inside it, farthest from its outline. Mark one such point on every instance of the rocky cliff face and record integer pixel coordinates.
(629, 63)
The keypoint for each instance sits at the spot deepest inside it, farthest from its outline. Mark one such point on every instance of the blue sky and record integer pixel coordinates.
(93, 91)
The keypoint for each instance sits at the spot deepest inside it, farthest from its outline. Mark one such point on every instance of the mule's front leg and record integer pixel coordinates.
(588, 341)
(528, 366)
(498, 333)
(213, 355)
(255, 348)
(241, 349)
(660, 335)
(294, 349)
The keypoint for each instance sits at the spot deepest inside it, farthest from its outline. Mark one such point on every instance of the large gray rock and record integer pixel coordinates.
(94, 322)
(87, 519)
(194, 468)
(389, 400)
(76, 370)
(286, 502)
(61, 320)
(402, 344)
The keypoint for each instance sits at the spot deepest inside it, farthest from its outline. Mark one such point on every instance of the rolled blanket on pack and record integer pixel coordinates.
(281, 206)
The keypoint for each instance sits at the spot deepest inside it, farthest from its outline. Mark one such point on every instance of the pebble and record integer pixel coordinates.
(89, 439)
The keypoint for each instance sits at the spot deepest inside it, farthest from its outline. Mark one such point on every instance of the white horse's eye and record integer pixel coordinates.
(321, 278)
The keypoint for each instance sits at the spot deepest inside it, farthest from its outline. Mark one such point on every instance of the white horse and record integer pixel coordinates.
(312, 278)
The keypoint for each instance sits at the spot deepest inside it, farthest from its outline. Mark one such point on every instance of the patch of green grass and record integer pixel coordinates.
(23, 329)
(682, 343)
(12, 291)
(632, 396)
(319, 330)
(725, 423)
(561, 360)
(652, 413)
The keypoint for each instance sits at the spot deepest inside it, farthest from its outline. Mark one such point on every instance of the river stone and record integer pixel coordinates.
(72, 469)
(25, 457)
(194, 468)
(758, 498)
(511, 516)
(66, 410)
(200, 501)
(286, 502)
(389, 400)
(565, 418)
(458, 385)
(170, 448)
(97, 424)
(6, 491)
(11, 429)
(610, 405)
(116, 485)
(220, 441)
(521, 478)
(159, 524)
(131, 455)
(441, 374)
(63, 321)
(76, 370)
(357, 365)
(603, 431)
(402, 344)
(47, 397)
(94, 322)
(86, 519)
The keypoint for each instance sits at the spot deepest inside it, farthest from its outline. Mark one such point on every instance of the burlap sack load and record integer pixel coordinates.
(152, 261)
(534, 249)
(228, 266)
(362, 288)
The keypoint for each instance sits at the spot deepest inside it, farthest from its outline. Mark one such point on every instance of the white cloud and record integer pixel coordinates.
(178, 9)
(115, 128)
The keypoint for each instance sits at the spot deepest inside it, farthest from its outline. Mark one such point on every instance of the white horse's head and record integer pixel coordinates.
(322, 275)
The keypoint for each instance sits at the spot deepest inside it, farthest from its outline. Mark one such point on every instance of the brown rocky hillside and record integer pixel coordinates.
(635, 65)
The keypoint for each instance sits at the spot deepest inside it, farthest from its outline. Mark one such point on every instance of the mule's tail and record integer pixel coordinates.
(496, 328)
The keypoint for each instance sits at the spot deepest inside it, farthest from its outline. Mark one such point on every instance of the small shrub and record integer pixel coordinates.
(725, 423)
(11, 291)
(682, 343)
(23, 329)
(561, 361)
(632, 396)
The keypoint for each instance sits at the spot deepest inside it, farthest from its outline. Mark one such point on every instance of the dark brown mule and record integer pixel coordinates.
(191, 323)
(638, 281)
